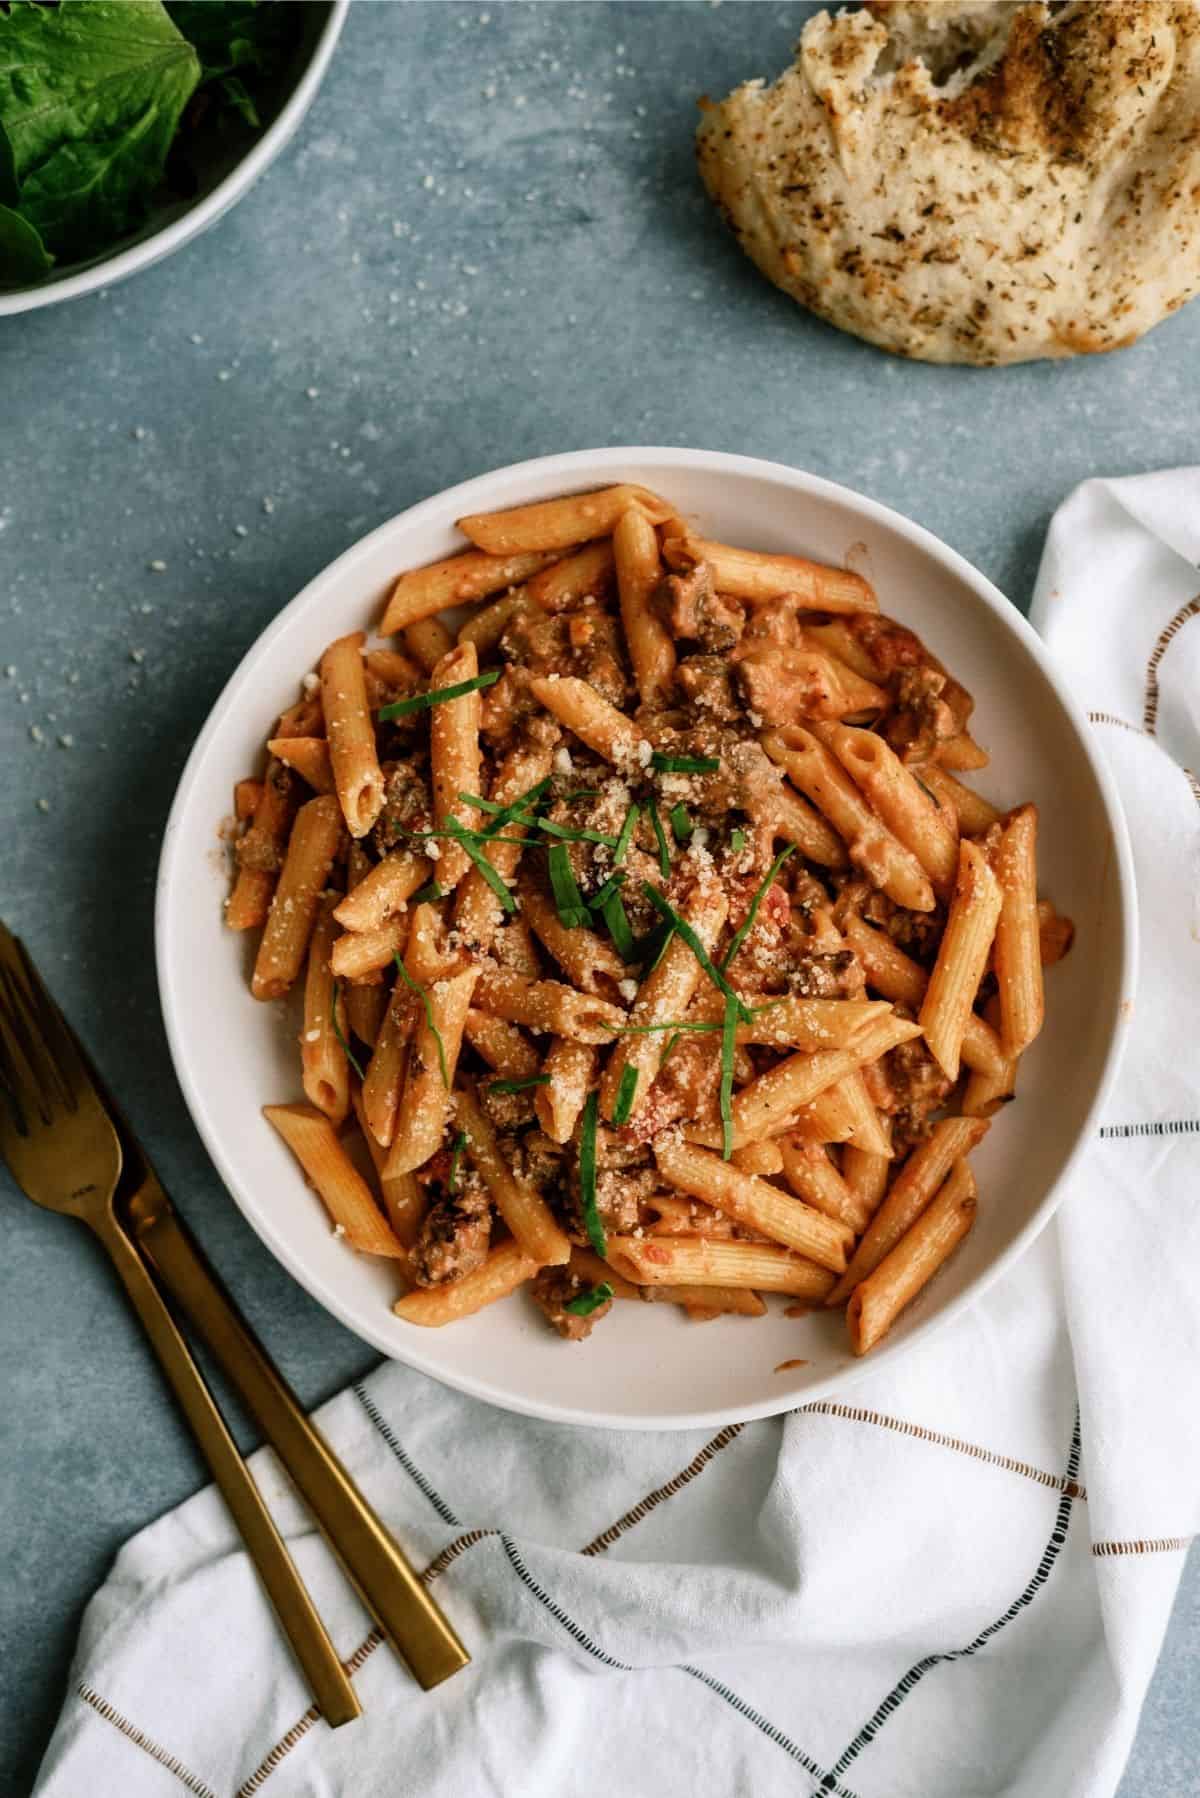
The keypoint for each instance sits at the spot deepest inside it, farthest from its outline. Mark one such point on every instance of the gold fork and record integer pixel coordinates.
(65, 1155)
(67, 1146)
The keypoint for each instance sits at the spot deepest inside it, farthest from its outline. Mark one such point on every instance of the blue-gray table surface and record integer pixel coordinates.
(488, 242)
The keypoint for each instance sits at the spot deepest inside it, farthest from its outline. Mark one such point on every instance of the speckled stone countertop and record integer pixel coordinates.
(488, 242)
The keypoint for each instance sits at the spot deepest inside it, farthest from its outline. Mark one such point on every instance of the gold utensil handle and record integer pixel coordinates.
(371, 1558)
(294, 1607)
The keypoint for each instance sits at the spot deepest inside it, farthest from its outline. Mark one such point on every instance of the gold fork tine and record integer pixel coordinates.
(40, 1031)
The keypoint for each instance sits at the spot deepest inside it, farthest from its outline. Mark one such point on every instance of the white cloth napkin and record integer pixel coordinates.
(953, 1584)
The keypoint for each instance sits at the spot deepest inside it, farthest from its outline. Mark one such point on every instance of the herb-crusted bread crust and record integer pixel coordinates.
(974, 180)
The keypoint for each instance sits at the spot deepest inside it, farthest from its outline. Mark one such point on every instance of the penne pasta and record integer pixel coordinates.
(317, 835)
(905, 982)
(589, 963)
(454, 760)
(571, 1071)
(590, 1269)
(458, 581)
(260, 853)
(754, 1203)
(813, 1178)
(793, 819)
(306, 718)
(680, 1261)
(403, 1196)
(247, 795)
(962, 958)
(765, 1158)
(478, 912)
(664, 994)
(593, 720)
(961, 753)
(870, 846)
(986, 1091)
(425, 1098)
(357, 776)
(360, 953)
(306, 756)
(790, 1022)
(635, 553)
(383, 1081)
(908, 1195)
(428, 640)
(879, 1299)
(975, 814)
(505, 1269)
(517, 1200)
(914, 818)
(870, 1132)
(324, 1070)
(752, 575)
(365, 1008)
(867, 1176)
(586, 574)
(548, 1006)
(313, 1140)
(1018, 957)
(829, 1118)
(503, 1046)
(484, 629)
(557, 524)
(386, 890)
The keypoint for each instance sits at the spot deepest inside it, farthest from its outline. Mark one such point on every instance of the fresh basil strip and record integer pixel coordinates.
(568, 900)
(737, 841)
(587, 1176)
(626, 1093)
(683, 928)
(421, 702)
(456, 1155)
(584, 1303)
(747, 924)
(625, 835)
(728, 1044)
(347, 1051)
(660, 837)
(458, 834)
(429, 894)
(681, 823)
(519, 1086)
(427, 1008)
(616, 918)
(684, 764)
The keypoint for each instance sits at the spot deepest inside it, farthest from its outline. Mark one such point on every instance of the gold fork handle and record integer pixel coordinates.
(294, 1607)
(371, 1558)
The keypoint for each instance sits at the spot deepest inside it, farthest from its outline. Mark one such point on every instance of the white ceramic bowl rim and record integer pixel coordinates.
(491, 491)
(205, 212)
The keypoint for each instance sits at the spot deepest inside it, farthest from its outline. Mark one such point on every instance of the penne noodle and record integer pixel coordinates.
(261, 851)
(585, 575)
(425, 954)
(428, 640)
(986, 1092)
(515, 949)
(478, 913)
(317, 835)
(796, 821)
(308, 757)
(763, 1158)
(870, 1132)
(664, 994)
(870, 846)
(404, 1200)
(457, 581)
(484, 629)
(505, 1049)
(754, 1203)
(306, 718)
(548, 1006)
(324, 1070)
(703, 1303)
(878, 1300)
(962, 958)
(572, 1070)
(1055, 934)
(425, 1098)
(365, 1008)
(687, 1217)
(914, 818)
(517, 1200)
(589, 1268)
(246, 797)
(975, 814)
(350, 729)
(795, 1023)
(359, 953)
(635, 552)
(454, 759)
(769, 1104)
(829, 1118)
(752, 575)
(384, 891)
(593, 720)
(1018, 957)
(399, 673)
(384, 1078)
(962, 753)
(905, 982)
(558, 524)
(505, 1269)
(867, 1175)
(813, 1178)
(909, 1194)
(313, 1140)
(680, 1261)
(590, 963)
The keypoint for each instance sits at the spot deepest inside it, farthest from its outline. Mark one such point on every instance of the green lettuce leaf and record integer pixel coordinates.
(91, 94)
(23, 255)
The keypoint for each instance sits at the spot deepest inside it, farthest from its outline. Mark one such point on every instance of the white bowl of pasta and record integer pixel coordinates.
(645, 932)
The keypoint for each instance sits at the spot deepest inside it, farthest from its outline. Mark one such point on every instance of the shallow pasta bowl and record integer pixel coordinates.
(646, 1366)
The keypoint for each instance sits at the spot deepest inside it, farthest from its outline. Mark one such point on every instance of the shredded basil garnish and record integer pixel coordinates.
(456, 1155)
(428, 894)
(737, 841)
(587, 1176)
(747, 924)
(519, 1086)
(660, 836)
(681, 824)
(347, 1051)
(684, 764)
(625, 834)
(683, 928)
(584, 1303)
(573, 914)
(470, 842)
(728, 1041)
(427, 1008)
(626, 1093)
(421, 702)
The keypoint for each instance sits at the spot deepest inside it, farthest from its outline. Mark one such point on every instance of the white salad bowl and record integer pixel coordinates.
(177, 222)
(645, 1365)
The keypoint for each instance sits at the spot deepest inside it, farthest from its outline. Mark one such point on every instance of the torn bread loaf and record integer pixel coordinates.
(974, 180)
